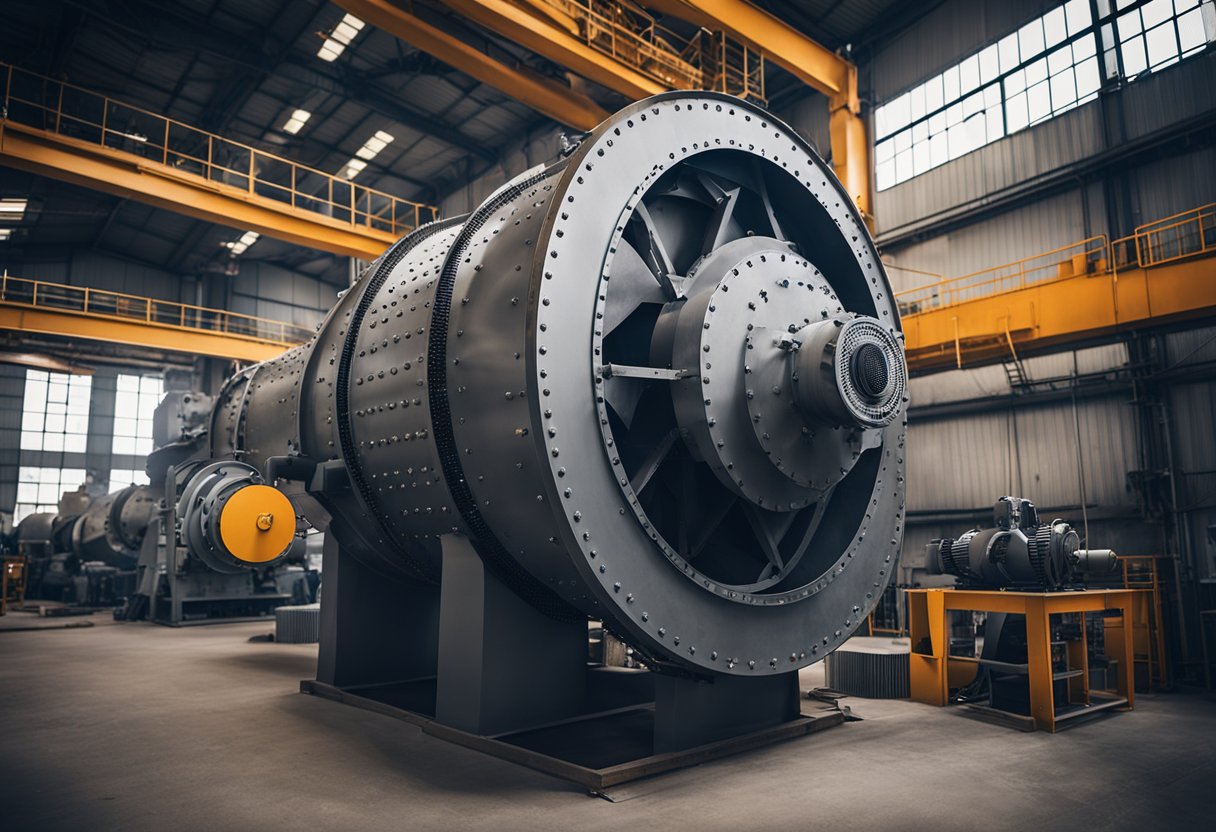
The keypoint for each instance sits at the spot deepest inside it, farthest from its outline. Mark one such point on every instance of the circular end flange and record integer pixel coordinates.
(850, 372)
(257, 524)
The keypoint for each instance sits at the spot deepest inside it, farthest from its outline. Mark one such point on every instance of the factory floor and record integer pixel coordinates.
(135, 726)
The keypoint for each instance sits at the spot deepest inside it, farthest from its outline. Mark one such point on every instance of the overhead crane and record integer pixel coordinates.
(75, 135)
(1093, 289)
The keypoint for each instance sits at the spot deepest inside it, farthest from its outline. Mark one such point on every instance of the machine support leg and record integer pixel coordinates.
(691, 712)
(1127, 674)
(503, 666)
(375, 629)
(1038, 657)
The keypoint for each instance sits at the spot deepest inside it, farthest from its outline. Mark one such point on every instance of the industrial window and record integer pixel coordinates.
(55, 415)
(1045, 68)
(1159, 33)
(134, 403)
(122, 477)
(38, 489)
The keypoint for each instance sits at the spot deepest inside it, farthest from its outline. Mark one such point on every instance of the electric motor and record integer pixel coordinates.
(1019, 552)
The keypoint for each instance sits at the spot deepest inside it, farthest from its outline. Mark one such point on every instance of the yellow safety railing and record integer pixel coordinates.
(1171, 238)
(44, 103)
(1188, 234)
(704, 60)
(102, 303)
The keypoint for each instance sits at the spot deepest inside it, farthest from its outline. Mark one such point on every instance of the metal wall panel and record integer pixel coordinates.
(965, 463)
(1044, 225)
(1192, 410)
(537, 148)
(1177, 183)
(984, 382)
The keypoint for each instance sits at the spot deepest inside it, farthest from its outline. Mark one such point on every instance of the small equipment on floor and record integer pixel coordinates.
(1020, 638)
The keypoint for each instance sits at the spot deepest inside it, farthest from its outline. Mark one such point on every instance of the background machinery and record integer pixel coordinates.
(181, 584)
(1019, 552)
(85, 554)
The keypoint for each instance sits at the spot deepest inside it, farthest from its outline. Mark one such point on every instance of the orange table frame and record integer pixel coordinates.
(927, 618)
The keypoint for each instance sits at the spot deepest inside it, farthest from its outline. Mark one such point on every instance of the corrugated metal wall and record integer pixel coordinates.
(965, 462)
(268, 291)
(1052, 222)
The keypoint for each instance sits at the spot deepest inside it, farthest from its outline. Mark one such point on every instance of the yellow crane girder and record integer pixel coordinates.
(89, 165)
(136, 334)
(1058, 312)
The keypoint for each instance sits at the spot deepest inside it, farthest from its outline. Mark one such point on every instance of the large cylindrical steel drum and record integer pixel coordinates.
(659, 382)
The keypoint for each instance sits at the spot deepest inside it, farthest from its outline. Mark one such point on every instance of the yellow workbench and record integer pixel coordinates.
(930, 670)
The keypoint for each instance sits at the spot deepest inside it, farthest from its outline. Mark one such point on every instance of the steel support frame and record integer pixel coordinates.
(807, 60)
(929, 621)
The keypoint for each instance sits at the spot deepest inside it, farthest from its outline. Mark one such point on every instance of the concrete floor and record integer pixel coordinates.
(134, 726)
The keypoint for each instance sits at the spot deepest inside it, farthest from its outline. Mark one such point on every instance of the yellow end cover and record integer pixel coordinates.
(257, 524)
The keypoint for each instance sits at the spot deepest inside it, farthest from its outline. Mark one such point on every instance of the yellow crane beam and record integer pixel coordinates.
(810, 62)
(1050, 314)
(66, 132)
(539, 28)
(130, 176)
(550, 98)
(136, 334)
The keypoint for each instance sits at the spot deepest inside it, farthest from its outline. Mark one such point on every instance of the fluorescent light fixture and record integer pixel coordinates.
(238, 247)
(135, 137)
(374, 145)
(365, 154)
(353, 168)
(12, 209)
(297, 120)
(346, 30)
(5, 233)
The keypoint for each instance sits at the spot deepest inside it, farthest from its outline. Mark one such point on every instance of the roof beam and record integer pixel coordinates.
(361, 89)
(548, 97)
(178, 25)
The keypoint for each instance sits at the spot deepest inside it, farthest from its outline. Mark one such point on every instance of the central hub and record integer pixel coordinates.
(870, 371)
(780, 385)
(849, 372)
